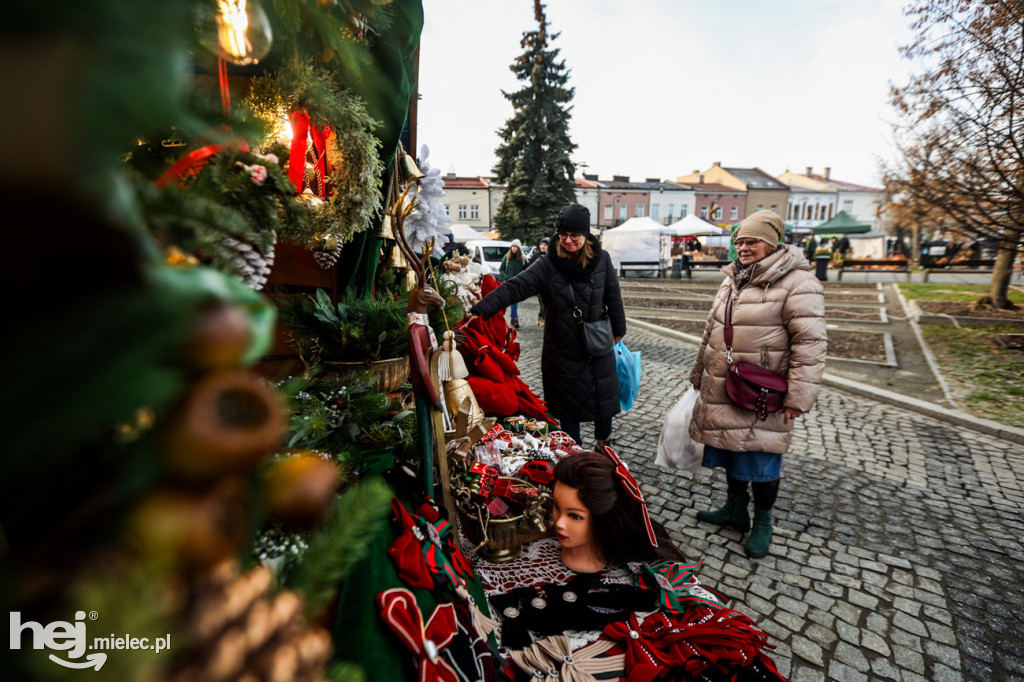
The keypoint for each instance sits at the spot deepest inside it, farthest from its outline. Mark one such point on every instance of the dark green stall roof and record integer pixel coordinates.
(842, 223)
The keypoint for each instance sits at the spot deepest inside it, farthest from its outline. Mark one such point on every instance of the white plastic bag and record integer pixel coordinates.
(675, 447)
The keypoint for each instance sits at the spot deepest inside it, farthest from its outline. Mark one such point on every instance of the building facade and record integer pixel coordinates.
(721, 205)
(860, 202)
(587, 193)
(619, 200)
(762, 191)
(468, 201)
(812, 202)
(669, 202)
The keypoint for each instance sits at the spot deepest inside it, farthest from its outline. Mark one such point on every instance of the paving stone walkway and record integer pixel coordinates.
(898, 550)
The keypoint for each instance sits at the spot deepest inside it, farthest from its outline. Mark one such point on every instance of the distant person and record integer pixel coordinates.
(542, 249)
(512, 264)
(578, 284)
(811, 247)
(844, 246)
(778, 320)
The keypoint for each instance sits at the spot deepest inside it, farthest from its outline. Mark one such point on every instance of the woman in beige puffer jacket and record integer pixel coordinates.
(778, 319)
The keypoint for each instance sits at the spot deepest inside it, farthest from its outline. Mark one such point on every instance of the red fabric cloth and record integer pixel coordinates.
(494, 398)
(486, 366)
(490, 351)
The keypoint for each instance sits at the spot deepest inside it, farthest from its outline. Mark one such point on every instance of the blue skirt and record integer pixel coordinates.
(744, 466)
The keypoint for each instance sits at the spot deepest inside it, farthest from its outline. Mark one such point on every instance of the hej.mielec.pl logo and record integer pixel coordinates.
(71, 637)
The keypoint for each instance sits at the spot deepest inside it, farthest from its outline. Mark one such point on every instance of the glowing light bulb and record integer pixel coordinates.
(243, 32)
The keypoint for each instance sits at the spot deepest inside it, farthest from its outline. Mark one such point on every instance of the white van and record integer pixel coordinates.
(486, 254)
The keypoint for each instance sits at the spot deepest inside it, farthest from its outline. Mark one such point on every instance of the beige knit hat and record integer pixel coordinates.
(764, 225)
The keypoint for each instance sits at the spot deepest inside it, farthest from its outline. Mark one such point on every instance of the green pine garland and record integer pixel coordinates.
(358, 515)
(344, 415)
(223, 200)
(340, 33)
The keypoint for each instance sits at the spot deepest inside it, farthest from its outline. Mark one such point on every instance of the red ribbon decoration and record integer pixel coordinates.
(225, 88)
(401, 613)
(497, 432)
(632, 489)
(302, 129)
(297, 154)
(189, 165)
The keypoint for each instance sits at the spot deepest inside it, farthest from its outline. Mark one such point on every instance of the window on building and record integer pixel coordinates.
(623, 211)
(462, 211)
(734, 213)
(639, 210)
(656, 211)
(718, 213)
(848, 206)
(448, 210)
(704, 212)
(775, 208)
(609, 212)
(474, 212)
(760, 207)
(683, 211)
(671, 210)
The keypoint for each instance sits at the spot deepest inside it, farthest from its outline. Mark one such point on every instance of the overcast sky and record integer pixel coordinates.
(664, 87)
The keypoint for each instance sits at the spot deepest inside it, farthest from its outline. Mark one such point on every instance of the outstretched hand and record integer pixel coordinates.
(789, 413)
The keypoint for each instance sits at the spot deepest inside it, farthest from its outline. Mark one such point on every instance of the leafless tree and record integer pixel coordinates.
(960, 128)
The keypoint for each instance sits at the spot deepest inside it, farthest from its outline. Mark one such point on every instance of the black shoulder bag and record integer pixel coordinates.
(597, 335)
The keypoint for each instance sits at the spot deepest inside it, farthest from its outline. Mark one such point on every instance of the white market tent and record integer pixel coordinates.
(463, 233)
(694, 226)
(867, 245)
(636, 225)
(638, 240)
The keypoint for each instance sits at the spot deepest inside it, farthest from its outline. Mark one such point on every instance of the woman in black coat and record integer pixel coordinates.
(576, 273)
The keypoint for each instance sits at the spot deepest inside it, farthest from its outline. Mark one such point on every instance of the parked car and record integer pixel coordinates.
(487, 255)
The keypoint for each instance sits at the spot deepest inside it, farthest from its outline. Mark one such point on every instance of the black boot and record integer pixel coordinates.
(761, 537)
(733, 513)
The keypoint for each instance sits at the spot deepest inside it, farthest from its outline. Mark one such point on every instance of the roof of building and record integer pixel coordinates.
(755, 178)
(706, 187)
(655, 185)
(845, 186)
(586, 183)
(455, 182)
(619, 182)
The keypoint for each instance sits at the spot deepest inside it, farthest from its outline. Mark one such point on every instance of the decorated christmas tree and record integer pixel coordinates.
(430, 220)
(534, 160)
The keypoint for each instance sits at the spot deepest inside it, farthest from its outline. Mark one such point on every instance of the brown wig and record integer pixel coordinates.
(586, 253)
(616, 519)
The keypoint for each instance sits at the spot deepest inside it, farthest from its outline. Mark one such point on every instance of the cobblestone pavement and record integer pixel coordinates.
(898, 549)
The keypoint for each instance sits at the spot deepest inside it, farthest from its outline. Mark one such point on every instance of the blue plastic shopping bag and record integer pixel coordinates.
(627, 365)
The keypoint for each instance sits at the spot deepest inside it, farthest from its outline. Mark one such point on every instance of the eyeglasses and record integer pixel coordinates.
(570, 236)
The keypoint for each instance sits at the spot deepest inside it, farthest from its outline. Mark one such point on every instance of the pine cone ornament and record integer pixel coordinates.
(327, 259)
(239, 627)
(253, 264)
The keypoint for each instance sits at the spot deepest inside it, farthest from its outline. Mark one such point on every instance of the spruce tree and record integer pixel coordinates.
(533, 159)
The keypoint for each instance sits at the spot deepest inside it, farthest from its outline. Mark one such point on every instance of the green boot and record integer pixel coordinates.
(761, 537)
(733, 513)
